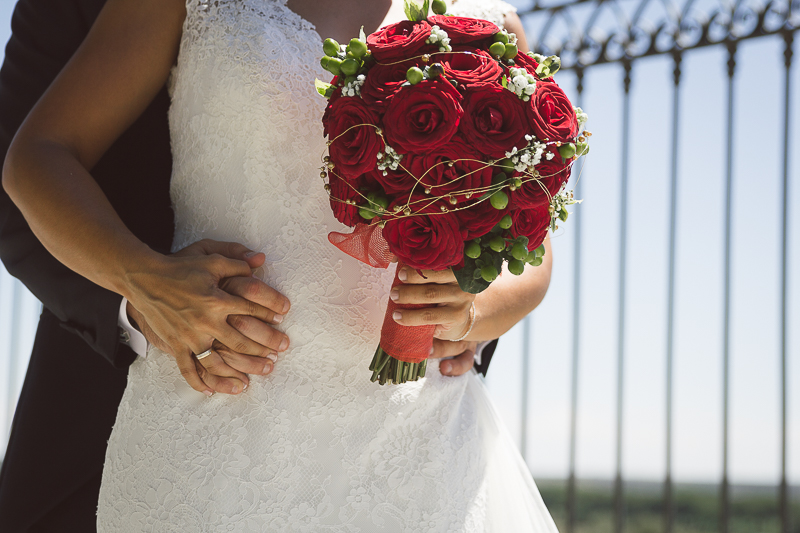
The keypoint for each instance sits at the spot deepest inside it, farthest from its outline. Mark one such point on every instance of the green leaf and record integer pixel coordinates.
(466, 275)
(504, 81)
(414, 12)
(325, 89)
(361, 35)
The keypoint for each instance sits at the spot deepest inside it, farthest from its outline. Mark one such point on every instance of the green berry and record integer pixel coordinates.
(368, 214)
(517, 183)
(472, 250)
(414, 75)
(476, 274)
(497, 49)
(358, 48)
(497, 179)
(499, 200)
(330, 47)
(435, 70)
(489, 273)
(498, 244)
(506, 164)
(501, 37)
(324, 60)
(536, 262)
(510, 51)
(539, 251)
(381, 201)
(505, 222)
(350, 66)
(516, 267)
(581, 148)
(519, 252)
(439, 7)
(566, 150)
(530, 257)
(334, 66)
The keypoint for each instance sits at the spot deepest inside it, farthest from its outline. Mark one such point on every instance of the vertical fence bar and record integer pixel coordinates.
(669, 512)
(13, 360)
(725, 487)
(576, 323)
(526, 356)
(783, 507)
(619, 497)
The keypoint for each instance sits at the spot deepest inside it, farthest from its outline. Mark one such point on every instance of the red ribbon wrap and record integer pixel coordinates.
(411, 344)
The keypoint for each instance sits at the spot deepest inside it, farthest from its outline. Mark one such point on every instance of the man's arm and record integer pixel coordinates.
(44, 37)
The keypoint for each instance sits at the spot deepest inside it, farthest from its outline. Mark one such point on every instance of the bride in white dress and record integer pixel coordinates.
(314, 446)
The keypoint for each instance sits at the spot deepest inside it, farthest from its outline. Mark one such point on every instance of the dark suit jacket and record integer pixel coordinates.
(78, 367)
(51, 472)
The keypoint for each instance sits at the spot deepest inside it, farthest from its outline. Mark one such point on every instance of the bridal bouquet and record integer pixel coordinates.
(447, 148)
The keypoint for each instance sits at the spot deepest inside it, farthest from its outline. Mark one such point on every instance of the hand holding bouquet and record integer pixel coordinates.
(448, 148)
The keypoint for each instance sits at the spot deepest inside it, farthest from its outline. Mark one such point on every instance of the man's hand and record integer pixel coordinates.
(462, 353)
(226, 369)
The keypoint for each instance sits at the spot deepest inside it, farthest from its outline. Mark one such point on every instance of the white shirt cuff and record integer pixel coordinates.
(479, 351)
(133, 337)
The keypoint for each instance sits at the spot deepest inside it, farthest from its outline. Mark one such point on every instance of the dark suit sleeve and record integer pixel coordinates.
(45, 35)
(486, 357)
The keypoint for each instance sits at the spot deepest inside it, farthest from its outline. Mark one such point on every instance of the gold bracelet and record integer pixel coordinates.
(471, 323)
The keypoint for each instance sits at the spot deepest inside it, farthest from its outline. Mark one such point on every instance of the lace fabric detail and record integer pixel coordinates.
(492, 10)
(314, 446)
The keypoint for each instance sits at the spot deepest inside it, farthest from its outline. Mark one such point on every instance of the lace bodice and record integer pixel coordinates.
(315, 446)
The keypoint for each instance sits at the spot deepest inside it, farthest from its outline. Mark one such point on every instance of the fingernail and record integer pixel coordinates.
(277, 319)
(267, 369)
(235, 389)
(245, 387)
(446, 368)
(251, 254)
(284, 344)
(397, 315)
(403, 275)
(285, 307)
(208, 393)
(272, 357)
(394, 295)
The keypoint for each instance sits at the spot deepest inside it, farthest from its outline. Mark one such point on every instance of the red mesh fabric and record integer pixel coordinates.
(366, 244)
(411, 344)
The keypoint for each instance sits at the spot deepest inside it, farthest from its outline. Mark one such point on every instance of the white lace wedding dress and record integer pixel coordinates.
(315, 446)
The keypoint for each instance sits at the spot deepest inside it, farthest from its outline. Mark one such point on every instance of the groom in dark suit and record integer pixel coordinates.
(78, 368)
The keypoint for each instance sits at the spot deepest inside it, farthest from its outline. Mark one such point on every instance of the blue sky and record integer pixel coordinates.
(698, 363)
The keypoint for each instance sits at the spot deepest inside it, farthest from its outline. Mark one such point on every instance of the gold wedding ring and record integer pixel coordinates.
(204, 354)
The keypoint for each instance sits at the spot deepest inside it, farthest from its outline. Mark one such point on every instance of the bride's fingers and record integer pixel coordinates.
(235, 305)
(248, 364)
(261, 333)
(220, 376)
(409, 275)
(238, 342)
(447, 316)
(429, 293)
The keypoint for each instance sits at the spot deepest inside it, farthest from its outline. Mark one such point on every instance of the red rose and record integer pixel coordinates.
(353, 151)
(423, 117)
(528, 63)
(425, 241)
(464, 29)
(535, 192)
(395, 182)
(479, 218)
(470, 67)
(493, 121)
(531, 223)
(342, 190)
(398, 41)
(382, 82)
(467, 172)
(551, 115)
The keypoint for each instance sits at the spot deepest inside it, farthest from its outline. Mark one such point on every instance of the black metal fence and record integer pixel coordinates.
(589, 33)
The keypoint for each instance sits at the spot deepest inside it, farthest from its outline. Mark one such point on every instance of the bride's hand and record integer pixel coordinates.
(184, 302)
(449, 306)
